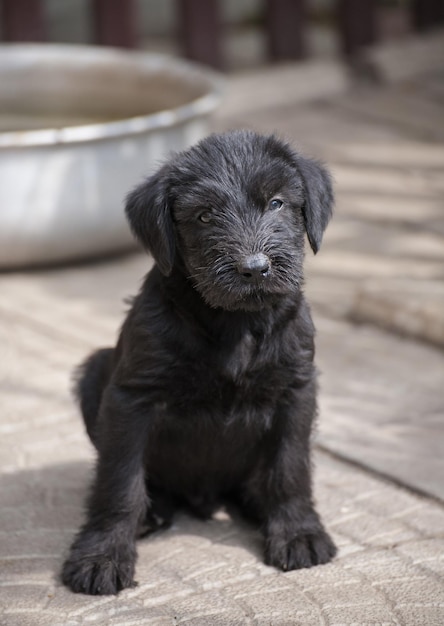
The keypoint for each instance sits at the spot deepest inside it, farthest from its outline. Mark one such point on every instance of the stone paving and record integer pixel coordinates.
(381, 402)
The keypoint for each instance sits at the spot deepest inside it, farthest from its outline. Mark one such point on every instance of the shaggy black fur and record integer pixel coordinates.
(210, 393)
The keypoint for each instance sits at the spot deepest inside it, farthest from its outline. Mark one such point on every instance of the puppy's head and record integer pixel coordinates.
(231, 213)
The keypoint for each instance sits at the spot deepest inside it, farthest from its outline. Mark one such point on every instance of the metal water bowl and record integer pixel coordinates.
(79, 127)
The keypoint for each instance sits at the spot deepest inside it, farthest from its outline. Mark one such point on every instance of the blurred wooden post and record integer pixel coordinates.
(115, 23)
(427, 14)
(22, 20)
(200, 31)
(357, 24)
(286, 24)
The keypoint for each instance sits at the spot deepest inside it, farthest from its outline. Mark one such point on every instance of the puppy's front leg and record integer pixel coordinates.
(294, 534)
(103, 555)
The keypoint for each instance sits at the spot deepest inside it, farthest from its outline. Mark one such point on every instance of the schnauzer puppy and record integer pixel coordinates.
(210, 393)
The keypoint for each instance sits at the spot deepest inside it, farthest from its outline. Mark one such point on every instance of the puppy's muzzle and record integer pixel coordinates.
(255, 267)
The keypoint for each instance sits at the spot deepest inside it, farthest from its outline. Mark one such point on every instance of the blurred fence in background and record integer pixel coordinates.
(199, 26)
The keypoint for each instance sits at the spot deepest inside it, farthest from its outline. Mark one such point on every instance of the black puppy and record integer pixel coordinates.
(210, 393)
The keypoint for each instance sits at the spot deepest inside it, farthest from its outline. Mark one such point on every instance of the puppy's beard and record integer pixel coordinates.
(220, 285)
(235, 296)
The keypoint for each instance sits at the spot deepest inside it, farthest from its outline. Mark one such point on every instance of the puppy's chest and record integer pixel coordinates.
(240, 379)
(237, 361)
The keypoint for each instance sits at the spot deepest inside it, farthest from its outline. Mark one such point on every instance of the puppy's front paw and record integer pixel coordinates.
(99, 571)
(302, 550)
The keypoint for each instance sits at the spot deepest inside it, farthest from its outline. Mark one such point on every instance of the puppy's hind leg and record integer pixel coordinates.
(159, 515)
(90, 379)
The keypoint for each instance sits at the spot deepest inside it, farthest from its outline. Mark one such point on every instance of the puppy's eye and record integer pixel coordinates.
(205, 217)
(275, 204)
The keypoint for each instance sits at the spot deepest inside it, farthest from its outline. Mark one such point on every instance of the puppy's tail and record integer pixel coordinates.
(90, 379)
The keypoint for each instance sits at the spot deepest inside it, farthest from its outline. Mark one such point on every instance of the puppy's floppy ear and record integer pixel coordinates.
(318, 204)
(149, 213)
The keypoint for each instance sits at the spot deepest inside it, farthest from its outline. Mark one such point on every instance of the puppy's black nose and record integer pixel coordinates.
(254, 267)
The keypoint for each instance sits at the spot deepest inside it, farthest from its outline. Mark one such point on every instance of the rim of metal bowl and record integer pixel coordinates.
(202, 105)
